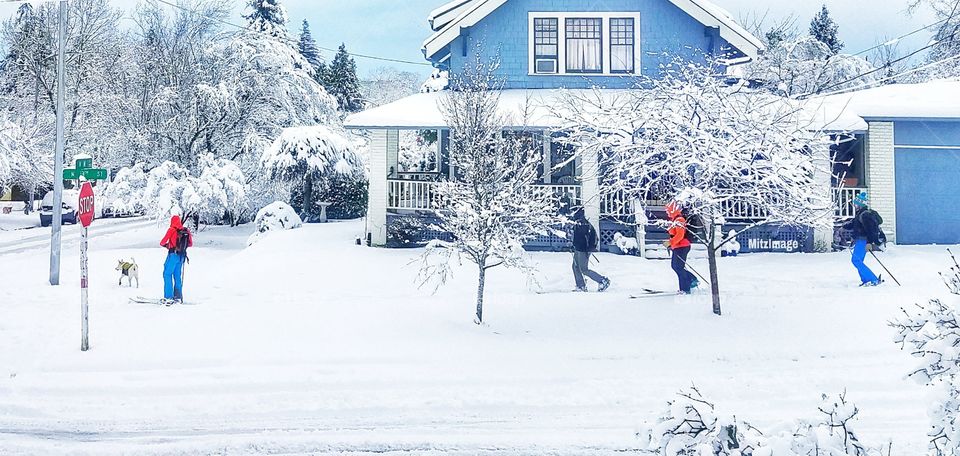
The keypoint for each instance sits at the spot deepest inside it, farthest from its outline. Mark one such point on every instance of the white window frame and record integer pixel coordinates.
(604, 43)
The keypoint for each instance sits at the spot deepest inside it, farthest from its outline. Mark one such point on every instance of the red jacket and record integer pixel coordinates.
(678, 233)
(170, 239)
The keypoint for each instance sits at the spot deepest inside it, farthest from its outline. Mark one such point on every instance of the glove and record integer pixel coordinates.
(666, 244)
(870, 247)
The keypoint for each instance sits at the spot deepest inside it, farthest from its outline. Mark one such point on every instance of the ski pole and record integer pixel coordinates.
(885, 268)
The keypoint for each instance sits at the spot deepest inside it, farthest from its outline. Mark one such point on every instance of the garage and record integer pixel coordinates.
(927, 157)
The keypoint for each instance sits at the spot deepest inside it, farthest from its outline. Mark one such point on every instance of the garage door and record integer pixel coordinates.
(928, 190)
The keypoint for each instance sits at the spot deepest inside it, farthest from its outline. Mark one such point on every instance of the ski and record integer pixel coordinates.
(648, 293)
(156, 302)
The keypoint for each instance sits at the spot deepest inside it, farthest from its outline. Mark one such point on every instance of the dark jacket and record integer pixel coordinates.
(866, 225)
(584, 235)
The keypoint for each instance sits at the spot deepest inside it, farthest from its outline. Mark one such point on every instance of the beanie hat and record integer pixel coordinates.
(861, 199)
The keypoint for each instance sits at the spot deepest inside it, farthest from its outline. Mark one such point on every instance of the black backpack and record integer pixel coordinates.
(183, 242)
(695, 228)
(592, 240)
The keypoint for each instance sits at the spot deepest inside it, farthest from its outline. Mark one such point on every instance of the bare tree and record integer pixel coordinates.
(490, 208)
(708, 146)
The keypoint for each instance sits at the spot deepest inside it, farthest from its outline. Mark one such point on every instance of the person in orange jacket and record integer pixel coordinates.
(176, 241)
(679, 243)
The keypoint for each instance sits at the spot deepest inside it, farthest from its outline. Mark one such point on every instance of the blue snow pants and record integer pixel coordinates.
(173, 276)
(860, 254)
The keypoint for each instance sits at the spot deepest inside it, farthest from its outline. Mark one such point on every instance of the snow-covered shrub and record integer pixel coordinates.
(692, 426)
(931, 332)
(405, 231)
(347, 193)
(805, 65)
(125, 194)
(439, 81)
(307, 156)
(277, 216)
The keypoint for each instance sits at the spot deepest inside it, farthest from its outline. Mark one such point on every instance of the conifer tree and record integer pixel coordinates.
(824, 29)
(340, 80)
(308, 47)
(267, 16)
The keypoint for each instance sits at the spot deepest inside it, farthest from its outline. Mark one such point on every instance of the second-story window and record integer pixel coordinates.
(622, 41)
(545, 41)
(584, 41)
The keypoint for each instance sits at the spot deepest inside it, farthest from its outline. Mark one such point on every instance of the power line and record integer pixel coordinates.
(289, 40)
(890, 78)
(897, 39)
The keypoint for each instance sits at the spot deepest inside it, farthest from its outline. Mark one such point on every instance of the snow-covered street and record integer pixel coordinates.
(308, 343)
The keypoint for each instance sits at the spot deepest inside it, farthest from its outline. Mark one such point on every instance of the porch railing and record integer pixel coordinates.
(422, 195)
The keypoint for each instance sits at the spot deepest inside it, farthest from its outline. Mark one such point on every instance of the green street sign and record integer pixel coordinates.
(71, 174)
(95, 174)
(85, 163)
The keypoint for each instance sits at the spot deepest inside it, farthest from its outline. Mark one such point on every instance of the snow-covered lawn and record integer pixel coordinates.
(18, 221)
(308, 343)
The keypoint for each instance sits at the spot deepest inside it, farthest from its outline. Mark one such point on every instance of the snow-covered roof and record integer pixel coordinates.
(449, 19)
(424, 110)
(928, 100)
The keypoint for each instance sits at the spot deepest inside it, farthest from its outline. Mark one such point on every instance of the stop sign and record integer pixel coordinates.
(85, 209)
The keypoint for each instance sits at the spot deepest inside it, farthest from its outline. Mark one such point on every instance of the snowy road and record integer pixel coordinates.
(308, 344)
(23, 240)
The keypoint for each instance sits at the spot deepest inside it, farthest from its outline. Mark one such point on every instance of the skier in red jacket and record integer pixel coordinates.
(679, 243)
(176, 241)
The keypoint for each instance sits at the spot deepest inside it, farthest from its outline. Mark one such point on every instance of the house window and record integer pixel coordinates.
(584, 38)
(545, 43)
(622, 45)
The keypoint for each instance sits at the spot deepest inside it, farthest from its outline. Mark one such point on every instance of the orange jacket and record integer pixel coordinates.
(170, 239)
(678, 233)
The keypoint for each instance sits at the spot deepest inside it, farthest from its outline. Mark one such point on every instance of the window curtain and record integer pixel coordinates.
(621, 58)
(584, 55)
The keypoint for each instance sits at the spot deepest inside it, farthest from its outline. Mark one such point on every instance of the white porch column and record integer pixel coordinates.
(589, 165)
(547, 164)
(823, 173)
(393, 153)
(881, 175)
(377, 202)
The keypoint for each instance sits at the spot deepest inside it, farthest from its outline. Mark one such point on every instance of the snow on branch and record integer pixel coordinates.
(694, 426)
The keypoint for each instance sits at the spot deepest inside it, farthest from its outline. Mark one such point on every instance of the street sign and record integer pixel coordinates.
(71, 174)
(95, 174)
(84, 163)
(86, 206)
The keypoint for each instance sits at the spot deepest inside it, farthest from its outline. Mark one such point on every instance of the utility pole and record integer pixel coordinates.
(55, 235)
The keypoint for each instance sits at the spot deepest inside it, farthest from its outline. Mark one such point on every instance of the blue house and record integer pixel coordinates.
(542, 46)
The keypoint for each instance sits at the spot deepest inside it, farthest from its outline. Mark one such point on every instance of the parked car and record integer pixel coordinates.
(71, 199)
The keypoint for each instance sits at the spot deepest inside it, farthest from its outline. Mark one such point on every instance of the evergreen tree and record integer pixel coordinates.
(267, 16)
(340, 80)
(308, 47)
(824, 29)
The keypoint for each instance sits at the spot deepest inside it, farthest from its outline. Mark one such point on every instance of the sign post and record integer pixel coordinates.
(86, 214)
(55, 231)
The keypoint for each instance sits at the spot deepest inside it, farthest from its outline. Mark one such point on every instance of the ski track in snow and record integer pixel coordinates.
(308, 344)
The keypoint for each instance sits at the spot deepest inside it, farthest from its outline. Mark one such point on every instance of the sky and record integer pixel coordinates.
(397, 28)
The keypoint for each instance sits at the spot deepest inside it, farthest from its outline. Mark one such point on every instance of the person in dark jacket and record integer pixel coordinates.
(866, 238)
(176, 241)
(584, 243)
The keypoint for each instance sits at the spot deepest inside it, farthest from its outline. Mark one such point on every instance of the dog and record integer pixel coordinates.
(129, 270)
(627, 245)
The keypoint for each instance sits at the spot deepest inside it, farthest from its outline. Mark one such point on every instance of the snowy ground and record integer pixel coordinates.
(307, 343)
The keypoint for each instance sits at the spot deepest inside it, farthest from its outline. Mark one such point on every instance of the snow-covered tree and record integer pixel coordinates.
(340, 79)
(307, 155)
(804, 66)
(308, 47)
(931, 332)
(826, 31)
(693, 139)
(490, 207)
(944, 56)
(267, 16)
(694, 426)
(386, 85)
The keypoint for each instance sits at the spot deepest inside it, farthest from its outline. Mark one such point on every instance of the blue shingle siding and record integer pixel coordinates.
(664, 31)
(927, 133)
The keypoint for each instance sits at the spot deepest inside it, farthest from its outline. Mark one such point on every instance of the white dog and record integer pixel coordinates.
(627, 245)
(129, 270)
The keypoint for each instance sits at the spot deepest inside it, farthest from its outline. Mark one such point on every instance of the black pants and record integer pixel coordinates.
(679, 263)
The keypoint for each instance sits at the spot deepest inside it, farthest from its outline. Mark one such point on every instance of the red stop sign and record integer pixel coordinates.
(85, 207)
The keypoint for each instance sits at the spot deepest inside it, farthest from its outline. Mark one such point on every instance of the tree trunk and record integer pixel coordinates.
(307, 196)
(481, 283)
(714, 275)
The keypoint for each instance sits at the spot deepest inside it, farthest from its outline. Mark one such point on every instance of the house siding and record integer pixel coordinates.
(665, 32)
(881, 174)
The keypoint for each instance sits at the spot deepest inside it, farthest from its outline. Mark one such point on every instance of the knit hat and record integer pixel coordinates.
(861, 199)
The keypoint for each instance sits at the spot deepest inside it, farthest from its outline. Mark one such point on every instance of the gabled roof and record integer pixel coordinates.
(470, 12)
